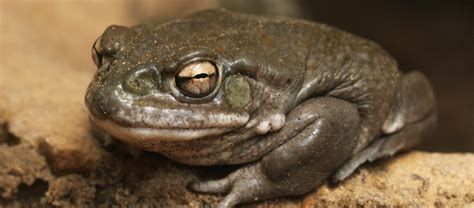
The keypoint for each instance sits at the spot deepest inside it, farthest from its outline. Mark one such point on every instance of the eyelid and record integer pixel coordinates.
(186, 57)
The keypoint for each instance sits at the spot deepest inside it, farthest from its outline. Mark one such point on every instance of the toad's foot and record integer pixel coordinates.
(244, 185)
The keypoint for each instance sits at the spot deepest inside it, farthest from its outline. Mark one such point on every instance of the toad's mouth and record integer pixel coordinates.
(135, 134)
(177, 130)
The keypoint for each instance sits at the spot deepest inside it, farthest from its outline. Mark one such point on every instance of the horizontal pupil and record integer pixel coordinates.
(201, 75)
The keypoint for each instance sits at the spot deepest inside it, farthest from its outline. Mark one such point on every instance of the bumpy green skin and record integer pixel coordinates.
(298, 101)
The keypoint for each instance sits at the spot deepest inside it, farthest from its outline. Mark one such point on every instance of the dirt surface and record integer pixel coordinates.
(50, 156)
(409, 180)
(413, 179)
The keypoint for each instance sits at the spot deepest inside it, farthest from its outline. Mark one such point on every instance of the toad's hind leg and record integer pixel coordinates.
(411, 118)
(300, 164)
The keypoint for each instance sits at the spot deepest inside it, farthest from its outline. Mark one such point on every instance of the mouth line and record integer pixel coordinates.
(133, 134)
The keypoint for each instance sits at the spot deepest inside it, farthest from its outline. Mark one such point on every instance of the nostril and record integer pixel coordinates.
(143, 80)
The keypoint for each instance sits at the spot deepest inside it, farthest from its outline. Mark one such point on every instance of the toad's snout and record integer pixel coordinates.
(98, 101)
(106, 98)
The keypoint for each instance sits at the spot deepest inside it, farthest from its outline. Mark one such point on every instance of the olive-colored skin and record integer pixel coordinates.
(297, 102)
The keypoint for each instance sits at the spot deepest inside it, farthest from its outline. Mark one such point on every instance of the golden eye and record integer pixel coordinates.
(96, 54)
(197, 79)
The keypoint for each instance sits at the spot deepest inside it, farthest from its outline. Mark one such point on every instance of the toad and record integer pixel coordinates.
(294, 102)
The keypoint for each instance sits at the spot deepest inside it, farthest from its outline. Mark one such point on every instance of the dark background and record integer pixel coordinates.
(435, 37)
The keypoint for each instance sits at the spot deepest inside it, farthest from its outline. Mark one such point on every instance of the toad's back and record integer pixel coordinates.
(318, 59)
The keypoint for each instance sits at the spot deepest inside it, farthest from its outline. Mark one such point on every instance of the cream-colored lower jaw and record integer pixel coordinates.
(135, 134)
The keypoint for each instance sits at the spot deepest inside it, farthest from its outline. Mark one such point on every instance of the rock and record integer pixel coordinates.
(417, 179)
(20, 165)
(50, 157)
(70, 190)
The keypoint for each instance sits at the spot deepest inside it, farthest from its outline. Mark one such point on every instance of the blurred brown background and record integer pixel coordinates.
(435, 37)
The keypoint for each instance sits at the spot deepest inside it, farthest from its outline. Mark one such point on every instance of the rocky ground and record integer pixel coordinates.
(30, 176)
(50, 156)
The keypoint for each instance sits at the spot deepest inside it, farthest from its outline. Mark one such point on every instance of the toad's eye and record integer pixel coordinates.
(197, 79)
(96, 54)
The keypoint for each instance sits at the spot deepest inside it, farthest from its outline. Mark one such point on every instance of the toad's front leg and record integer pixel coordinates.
(303, 162)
